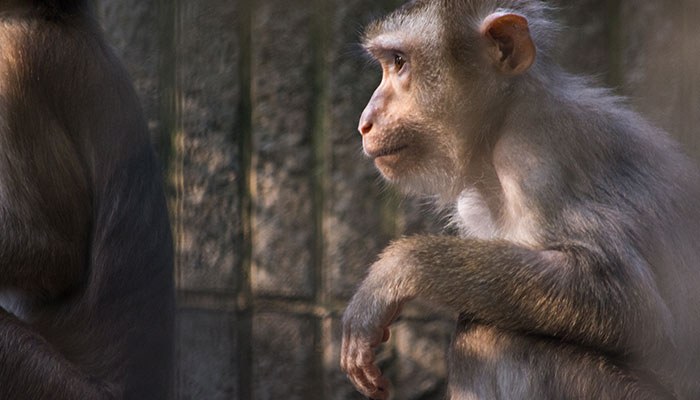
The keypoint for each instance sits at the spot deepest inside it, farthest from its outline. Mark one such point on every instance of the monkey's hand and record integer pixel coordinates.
(365, 325)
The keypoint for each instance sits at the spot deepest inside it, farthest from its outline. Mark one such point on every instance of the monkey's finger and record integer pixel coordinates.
(362, 371)
(352, 365)
(361, 383)
(384, 388)
(369, 381)
(373, 374)
(344, 353)
(347, 349)
(364, 356)
(373, 392)
(373, 381)
(381, 392)
(380, 385)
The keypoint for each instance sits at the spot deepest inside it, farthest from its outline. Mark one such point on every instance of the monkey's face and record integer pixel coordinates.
(439, 88)
(403, 126)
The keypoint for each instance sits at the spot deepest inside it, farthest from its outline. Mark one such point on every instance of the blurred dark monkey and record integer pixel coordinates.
(86, 287)
(577, 274)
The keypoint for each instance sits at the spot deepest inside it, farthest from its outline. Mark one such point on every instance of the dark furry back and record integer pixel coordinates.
(58, 8)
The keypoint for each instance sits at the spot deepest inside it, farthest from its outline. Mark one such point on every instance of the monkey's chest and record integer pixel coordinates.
(476, 219)
(473, 216)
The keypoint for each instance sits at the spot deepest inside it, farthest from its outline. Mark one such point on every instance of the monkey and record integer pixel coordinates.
(575, 273)
(86, 258)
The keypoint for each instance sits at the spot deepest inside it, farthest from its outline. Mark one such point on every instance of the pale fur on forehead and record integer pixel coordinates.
(404, 25)
(425, 20)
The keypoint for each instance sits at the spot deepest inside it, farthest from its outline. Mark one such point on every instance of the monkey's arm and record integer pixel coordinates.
(574, 292)
(30, 368)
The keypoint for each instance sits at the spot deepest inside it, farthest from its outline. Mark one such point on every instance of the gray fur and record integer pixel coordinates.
(587, 286)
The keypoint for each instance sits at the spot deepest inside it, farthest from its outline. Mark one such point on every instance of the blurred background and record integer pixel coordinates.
(253, 107)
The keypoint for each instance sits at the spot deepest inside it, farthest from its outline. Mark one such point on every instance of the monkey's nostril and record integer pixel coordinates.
(366, 128)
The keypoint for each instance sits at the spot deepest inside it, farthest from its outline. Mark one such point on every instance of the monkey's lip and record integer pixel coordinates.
(374, 154)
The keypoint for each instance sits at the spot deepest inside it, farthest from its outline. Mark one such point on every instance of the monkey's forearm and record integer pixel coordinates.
(570, 295)
(31, 369)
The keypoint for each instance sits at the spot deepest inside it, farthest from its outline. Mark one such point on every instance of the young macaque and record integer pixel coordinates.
(576, 275)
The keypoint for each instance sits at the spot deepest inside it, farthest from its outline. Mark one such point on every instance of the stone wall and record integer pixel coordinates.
(276, 214)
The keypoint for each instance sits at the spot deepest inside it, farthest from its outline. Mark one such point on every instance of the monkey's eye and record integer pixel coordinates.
(399, 62)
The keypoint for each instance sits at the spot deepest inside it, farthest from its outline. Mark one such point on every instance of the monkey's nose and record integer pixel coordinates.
(365, 127)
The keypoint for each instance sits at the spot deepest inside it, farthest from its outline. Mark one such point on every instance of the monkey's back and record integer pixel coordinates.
(81, 183)
(611, 175)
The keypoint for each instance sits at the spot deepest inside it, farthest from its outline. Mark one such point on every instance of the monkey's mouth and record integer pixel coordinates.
(385, 152)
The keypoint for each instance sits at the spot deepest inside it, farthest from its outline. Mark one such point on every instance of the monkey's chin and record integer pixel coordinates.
(389, 165)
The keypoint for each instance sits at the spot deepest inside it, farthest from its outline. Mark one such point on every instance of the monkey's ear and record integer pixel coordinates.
(511, 46)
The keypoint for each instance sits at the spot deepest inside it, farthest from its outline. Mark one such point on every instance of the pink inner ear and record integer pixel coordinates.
(512, 34)
(501, 23)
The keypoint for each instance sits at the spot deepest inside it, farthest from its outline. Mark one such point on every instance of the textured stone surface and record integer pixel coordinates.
(206, 355)
(208, 159)
(284, 358)
(283, 104)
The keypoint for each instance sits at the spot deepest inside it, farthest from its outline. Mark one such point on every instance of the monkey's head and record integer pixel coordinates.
(446, 67)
